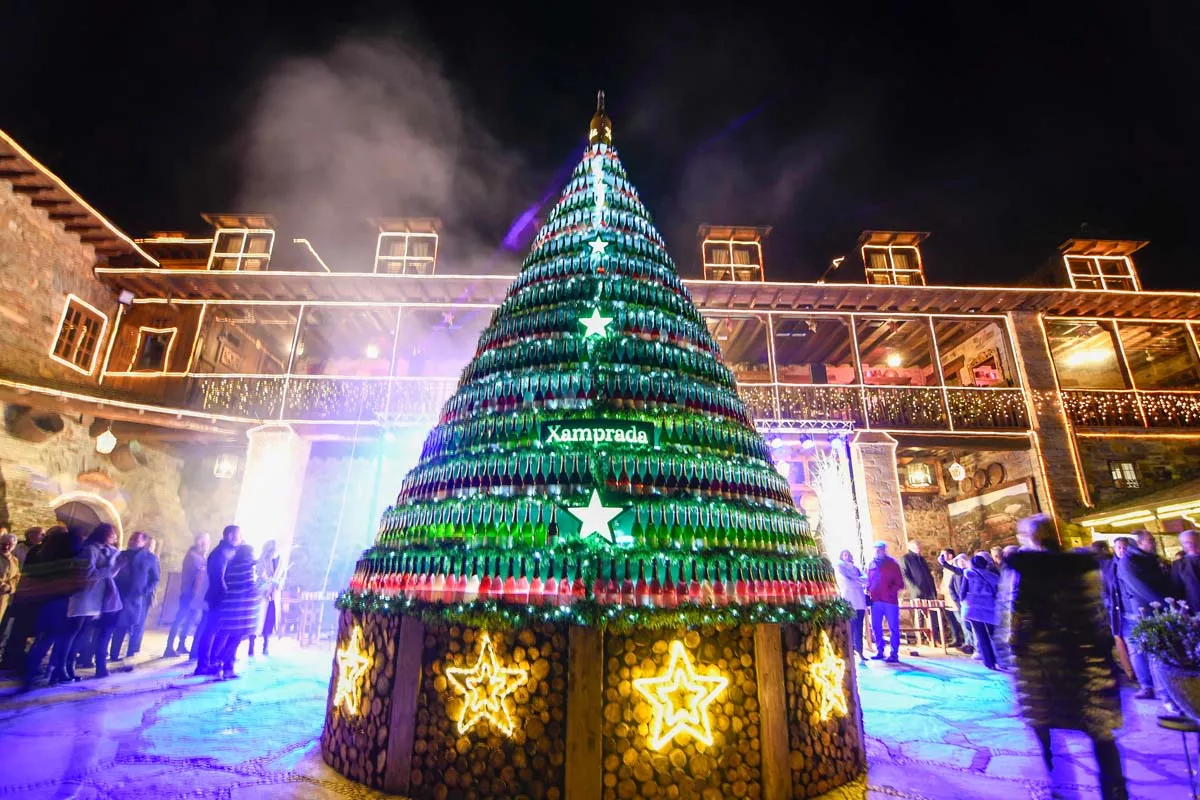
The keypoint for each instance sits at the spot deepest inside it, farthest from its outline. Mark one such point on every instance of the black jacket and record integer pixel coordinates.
(136, 583)
(218, 563)
(1062, 645)
(918, 578)
(1143, 581)
(1186, 575)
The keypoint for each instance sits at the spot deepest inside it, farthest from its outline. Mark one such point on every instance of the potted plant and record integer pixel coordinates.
(1170, 635)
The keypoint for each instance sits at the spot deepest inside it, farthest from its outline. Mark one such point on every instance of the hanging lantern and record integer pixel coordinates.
(105, 442)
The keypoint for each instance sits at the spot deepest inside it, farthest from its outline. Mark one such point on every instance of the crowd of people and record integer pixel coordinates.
(71, 599)
(1059, 621)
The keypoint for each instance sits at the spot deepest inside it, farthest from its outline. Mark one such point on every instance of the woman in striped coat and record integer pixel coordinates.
(241, 608)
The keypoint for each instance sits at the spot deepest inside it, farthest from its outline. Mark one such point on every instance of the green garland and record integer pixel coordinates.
(494, 615)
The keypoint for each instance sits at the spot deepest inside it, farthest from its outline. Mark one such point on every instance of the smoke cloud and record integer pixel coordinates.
(374, 128)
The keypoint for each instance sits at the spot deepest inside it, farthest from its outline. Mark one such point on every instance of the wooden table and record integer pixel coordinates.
(926, 608)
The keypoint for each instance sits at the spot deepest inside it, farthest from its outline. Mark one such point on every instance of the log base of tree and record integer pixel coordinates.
(580, 728)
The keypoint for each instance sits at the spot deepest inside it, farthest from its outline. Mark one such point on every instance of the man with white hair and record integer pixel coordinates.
(884, 582)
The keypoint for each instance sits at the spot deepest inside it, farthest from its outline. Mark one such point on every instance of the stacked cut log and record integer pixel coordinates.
(684, 768)
(356, 744)
(484, 763)
(824, 754)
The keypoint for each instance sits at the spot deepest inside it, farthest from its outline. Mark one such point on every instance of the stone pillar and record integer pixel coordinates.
(1061, 492)
(274, 479)
(877, 491)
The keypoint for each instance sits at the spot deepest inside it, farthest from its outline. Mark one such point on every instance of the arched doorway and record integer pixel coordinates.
(86, 510)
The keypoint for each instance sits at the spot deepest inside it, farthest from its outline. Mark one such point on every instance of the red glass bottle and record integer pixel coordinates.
(550, 591)
(578, 588)
(565, 594)
(706, 587)
(485, 581)
(655, 595)
(694, 591)
(720, 596)
(627, 595)
(641, 589)
(437, 584)
(521, 587)
(603, 589)
(537, 589)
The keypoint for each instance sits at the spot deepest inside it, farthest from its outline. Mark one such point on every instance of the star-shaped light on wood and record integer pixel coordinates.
(595, 519)
(352, 665)
(595, 325)
(598, 247)
(828, 671)
(680, 698)
(485, 685)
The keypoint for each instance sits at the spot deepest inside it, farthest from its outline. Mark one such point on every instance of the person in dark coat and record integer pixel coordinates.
(218, 562)
(918, 579)
(48, 584)
(884, 582)
(136, 581)
(191, 596)
(955, 591)
(1062, 649)
(1144, 581)
(241, 608)
(981, 581)
(1185, 573)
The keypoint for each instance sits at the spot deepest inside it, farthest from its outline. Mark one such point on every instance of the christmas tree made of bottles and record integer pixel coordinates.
(595, 464)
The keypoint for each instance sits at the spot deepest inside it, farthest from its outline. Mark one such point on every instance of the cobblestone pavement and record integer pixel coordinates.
(937, 729)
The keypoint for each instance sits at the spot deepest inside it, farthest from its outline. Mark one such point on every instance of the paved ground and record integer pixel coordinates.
(937, 728)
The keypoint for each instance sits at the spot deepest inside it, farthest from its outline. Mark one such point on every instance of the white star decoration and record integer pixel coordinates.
(598, 247)
(595, 519)
(595, 325)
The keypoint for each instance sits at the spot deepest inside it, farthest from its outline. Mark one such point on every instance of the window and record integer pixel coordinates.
(814, 349)
(1085, 354)
(80, 331)
(153, 351)
(241, 249)
(1124, 474)
(975, 352)
(404, 253)
(894, 266)
(896, 352)
(726, 260)
(1102, 272)
(1160, 355)
(250, 339)
(743, 343)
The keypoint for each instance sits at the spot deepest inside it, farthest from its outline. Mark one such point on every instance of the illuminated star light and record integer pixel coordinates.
(485, 685)
(595, 325)
(680, 698)
(352, 665)
(595, 518)
(598, 247)
(829, 671)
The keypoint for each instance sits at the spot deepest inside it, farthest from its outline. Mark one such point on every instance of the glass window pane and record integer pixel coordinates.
(438, 342)
(247, 339)
(346, 341)
(896, 352)
(814, 349)
(1160, 356)
(975, 352)
(1081, 266)
(743, 343)
(1085, 354)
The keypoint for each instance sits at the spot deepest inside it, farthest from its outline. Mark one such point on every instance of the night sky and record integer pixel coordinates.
(1000, 132)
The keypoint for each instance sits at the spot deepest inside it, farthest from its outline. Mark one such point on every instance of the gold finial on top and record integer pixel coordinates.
(600, 129)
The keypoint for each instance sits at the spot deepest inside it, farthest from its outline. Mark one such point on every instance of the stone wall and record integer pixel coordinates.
(1161, 464)
(40, 264)
(730, 768)
(483, 762)
(824, 753)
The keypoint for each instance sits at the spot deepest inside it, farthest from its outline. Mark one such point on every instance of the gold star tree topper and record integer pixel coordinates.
(680, 698)
(352, 665)
(828, 672)
(486, 684)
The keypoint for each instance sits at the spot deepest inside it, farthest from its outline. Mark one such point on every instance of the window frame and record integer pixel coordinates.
(1097, 275)
(75, 300)
(242, 254)
(168, 351)
(382, 260)
(1120, 479)
(891, 272)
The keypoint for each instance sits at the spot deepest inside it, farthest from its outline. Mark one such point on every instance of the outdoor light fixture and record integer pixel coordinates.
(106, 442)
(777, 441)
(894, 360)
(957, 471)
(808, 443)
(838, 441)
(372, 350)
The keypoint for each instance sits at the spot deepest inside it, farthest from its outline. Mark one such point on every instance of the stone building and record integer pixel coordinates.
(236, 377)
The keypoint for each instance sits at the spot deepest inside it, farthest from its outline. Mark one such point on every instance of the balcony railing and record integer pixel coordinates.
(321, 398)
(1130, 408)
